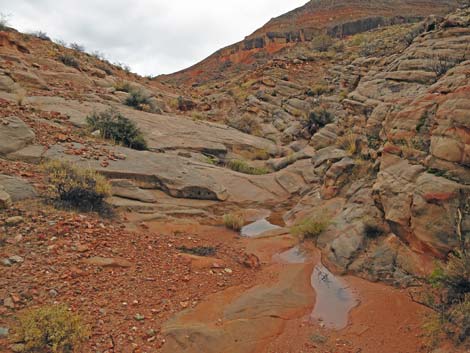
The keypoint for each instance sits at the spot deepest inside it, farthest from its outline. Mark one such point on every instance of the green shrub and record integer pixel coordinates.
(69, 60)
(234, 221)
(114, 126)
(83, 189)
(52, 328)
(243, 167)
(309, 228)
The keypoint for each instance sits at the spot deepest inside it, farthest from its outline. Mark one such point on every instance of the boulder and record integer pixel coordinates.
(128, 190)
(14, 135)
(18, 189)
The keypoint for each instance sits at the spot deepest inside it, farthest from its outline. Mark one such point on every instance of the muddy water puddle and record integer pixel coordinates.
(334, 299)
(257, 228)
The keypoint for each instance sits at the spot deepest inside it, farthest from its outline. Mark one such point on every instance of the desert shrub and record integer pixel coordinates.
(69, 60)
(4, 22)
(52, 328)
(139, 100)
(317, 119)
(243, 167)
(246, 123)
(123, 86)
(322, 42)
(309, 228)
(114, 126)
(440, 64)
(83, 189)
(451, 300)
(234, 221)
(77, 47)
(41, 35)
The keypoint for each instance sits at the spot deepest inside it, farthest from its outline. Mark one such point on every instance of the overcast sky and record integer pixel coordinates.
(151, 36)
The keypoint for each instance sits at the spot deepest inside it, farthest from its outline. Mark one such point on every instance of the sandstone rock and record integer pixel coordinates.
(5, 199)
(14, 135)
(29, 154)
(336, 177)
(331, 153)
(13, 221)
(18, 189)
(127, 189)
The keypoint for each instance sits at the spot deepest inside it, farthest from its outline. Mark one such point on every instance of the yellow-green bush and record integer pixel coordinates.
(84, 189)
(234, 221)
(52, 328)
(309, 228)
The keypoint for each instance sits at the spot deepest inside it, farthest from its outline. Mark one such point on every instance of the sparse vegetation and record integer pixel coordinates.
(310, 228)
(322, 43)
(41, 35)
(82, 189)
(234, 221)
(243, 167)
(451, 301)
(114, 126)
(4, 22)
(52, 329)
(246, 123)
(139, 100)
(69, 60)
(77, 47)
(349, 142)
(317, 119)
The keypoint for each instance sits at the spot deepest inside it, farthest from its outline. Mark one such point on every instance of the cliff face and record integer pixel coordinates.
(337, 18)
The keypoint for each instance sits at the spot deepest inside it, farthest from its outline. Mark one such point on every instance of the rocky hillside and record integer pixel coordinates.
(338, 18)
(339, 133)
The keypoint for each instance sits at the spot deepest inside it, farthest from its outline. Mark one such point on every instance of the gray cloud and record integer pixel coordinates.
(152, 36)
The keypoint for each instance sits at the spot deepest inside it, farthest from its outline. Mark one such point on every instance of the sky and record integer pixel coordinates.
(151, 36)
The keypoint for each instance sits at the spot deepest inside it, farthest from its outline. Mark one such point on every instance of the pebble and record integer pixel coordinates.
(16, 259)
(228, 270)
(4, 331)
(53, 293)
(13, 221)
(139, 317)
(6, 262)
(8, 302)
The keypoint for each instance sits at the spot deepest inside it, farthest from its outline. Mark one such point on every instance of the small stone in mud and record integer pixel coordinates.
(4, 331)
(228, 270)
(139, 317)
(319, 339)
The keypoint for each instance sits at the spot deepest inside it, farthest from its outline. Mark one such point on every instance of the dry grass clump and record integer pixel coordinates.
(234, 221)
(52, 329)
(243, 167)
(83, 189)
(349, 142)
(309, 228)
